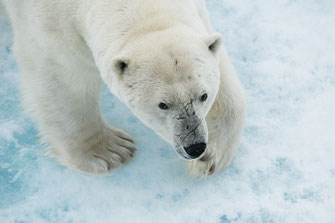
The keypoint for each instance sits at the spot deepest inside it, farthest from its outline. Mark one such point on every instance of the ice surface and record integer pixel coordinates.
(284, 170)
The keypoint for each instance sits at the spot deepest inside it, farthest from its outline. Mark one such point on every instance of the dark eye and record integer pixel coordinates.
(163, 106)
(204, 97)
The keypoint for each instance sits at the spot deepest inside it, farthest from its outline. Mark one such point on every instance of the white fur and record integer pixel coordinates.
(65, 50)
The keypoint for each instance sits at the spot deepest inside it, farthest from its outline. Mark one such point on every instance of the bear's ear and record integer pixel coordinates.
(120, 64)
(214, 42)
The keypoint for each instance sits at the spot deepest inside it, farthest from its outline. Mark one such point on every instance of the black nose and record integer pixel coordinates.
(195, 150)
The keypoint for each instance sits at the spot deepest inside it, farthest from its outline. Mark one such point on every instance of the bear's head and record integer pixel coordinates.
(170, 82)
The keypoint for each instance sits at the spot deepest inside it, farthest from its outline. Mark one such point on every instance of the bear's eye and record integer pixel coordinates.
(163, 106)
(203, 97)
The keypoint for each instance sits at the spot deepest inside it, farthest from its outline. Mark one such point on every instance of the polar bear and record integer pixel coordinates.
(161, 58)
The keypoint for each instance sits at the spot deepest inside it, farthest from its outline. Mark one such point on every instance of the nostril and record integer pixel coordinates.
(195, 150)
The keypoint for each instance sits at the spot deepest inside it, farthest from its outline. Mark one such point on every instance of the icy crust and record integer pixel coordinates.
(284, 170)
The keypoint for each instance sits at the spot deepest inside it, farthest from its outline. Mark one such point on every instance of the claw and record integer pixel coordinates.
(211, 169)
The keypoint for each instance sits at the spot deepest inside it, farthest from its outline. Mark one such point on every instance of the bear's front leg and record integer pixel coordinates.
(66, 106)
(79, 137)
(225, 123)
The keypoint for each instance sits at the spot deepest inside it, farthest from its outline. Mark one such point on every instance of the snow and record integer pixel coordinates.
(284, 170)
